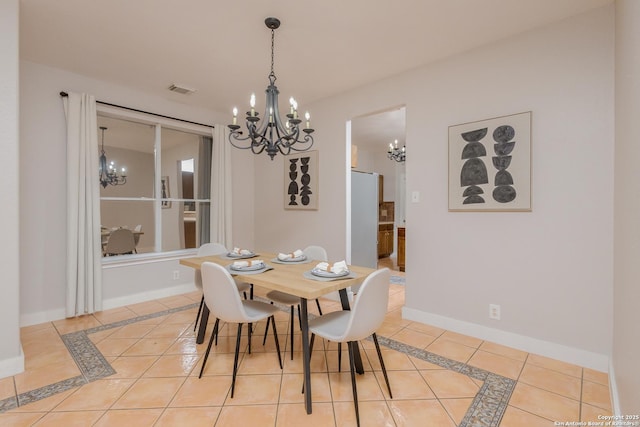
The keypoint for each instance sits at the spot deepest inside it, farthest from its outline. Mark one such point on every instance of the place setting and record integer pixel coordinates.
(326, 272)
(295, 257)
(255, 266)
(239, 253)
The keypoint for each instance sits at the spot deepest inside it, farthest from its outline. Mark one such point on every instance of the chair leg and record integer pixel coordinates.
(318, 304)
(198, 315)
(250, 327)
(235, 359)
(339, 357)
(384, 370)
(244, 293)
(251, 291)
(291, 321)
(275, 337)
(206, 355)
(352, 364)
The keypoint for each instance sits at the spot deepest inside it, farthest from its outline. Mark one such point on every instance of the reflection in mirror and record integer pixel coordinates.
(136, 216)
(182, 210)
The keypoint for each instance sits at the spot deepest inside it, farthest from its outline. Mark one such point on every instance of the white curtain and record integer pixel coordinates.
(221, 188)
(84, 269)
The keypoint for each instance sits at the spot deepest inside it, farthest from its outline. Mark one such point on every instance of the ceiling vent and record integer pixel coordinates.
(181, 89)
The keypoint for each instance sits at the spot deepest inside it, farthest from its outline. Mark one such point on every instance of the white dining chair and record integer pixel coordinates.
(120, 242)
(350, 326)
(136, 235)
(222, 298)
(216, 249)
(317, 253)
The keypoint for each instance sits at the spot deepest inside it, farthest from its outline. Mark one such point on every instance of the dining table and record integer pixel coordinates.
(293, 278)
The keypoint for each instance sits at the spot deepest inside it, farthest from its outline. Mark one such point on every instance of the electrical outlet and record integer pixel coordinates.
(176, 274)
(415, 196)
(494, 311)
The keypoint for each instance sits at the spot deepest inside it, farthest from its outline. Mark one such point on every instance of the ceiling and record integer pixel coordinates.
(221, 48)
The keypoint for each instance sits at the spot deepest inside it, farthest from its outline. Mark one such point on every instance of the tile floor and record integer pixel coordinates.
(144, 372)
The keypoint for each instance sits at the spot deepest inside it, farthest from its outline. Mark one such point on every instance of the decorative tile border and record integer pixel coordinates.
(490, 402)
(486, 410)
(397, 280)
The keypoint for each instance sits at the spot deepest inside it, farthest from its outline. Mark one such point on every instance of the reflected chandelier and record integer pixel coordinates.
(395, 153)
(273, 134)
(108, 174)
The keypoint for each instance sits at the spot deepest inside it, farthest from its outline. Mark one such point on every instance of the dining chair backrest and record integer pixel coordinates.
(120, 241)
(204, 250)
(136, 236)
(370, 307)
(211, 249)
(316, 252)
(221, 294)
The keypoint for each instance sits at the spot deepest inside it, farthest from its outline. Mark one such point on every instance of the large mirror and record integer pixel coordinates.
(152, 155)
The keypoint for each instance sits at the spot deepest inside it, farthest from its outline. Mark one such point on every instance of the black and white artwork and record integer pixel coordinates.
(490, 164)
(301, 181)
(165, 193)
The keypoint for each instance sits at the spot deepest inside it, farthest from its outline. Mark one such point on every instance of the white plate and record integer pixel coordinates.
(322, 273)
(240, 256)
(248, 268)
(296, 259)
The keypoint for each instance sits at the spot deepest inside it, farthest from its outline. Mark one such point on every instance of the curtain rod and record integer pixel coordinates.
(65, 94)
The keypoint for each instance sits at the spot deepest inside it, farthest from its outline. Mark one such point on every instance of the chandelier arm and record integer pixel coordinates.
(235, 136)
(307, 139)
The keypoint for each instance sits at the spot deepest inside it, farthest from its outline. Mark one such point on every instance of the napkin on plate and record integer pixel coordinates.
(336, 268)
(239, 251)
(295, 254)
(250, 263)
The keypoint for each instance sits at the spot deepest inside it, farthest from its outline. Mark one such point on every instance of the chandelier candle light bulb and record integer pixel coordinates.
(274, 134)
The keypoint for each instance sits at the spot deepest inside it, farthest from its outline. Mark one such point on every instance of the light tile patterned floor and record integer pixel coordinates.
(138, 365)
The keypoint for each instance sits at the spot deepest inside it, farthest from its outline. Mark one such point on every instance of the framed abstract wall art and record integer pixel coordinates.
(490, 164)
(301, 181)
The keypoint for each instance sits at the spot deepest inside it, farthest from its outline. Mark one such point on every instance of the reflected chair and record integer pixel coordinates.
(222, 298)
(216, 249)
(136, 235)
(120, 242)
(350, 326)
(317, 253)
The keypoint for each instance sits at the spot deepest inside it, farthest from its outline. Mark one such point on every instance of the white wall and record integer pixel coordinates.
(11, 357)
(551, 269)
(43, 200)
(626, 338)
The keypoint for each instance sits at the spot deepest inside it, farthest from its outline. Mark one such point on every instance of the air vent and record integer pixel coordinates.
(181, 89)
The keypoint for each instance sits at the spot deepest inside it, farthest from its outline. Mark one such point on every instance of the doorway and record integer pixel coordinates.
(368, 139)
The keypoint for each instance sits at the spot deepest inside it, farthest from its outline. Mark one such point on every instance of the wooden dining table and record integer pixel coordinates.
(289, 278)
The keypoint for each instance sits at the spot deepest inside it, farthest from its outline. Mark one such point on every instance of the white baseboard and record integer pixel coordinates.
(12, 366)
(576, 356)
(58, 314)
(42, 317)
(613, 391)
(148, 296)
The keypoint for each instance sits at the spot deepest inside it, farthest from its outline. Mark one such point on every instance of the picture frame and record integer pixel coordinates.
(165, 192)
(301, 181)
(490, 165)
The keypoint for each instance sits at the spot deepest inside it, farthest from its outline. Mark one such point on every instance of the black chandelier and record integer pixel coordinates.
(395, 153)
(273, 134)
(108, 175)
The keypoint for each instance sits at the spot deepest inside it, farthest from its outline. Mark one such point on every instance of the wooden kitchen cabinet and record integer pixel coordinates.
(385, 239)
(401, 250)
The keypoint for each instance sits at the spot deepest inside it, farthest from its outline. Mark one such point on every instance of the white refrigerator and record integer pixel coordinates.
(364, 219)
